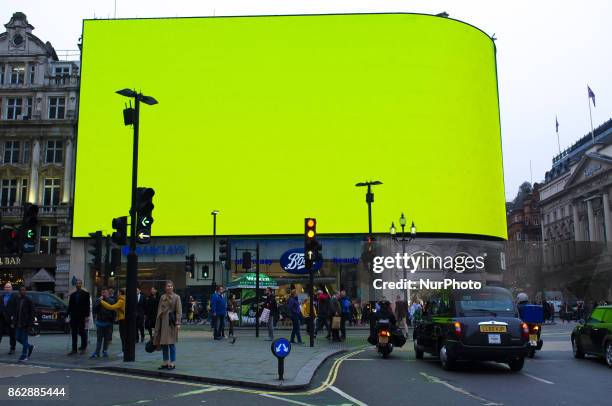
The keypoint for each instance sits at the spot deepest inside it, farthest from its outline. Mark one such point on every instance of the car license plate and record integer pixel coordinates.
(494, 339)
(383, 340)
(533, 339)
(490, 328)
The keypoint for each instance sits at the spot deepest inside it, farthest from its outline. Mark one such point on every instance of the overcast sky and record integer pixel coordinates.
(547, 53)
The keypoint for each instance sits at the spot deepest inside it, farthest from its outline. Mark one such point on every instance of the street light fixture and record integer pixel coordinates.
(131, 116)
(369, 200)
(392, 230)
(403, 241)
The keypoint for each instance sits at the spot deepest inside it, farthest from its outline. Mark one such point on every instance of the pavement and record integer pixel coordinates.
(246, 361)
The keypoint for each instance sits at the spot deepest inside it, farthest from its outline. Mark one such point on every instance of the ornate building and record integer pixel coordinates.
(38, 111)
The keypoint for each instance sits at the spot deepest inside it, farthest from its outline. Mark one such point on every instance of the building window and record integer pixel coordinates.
(55, 150)
(32, 73)
(1, 73)
(24, 191)
(48, 240)
(8, 192)
(29, 104)
(26, 152)
(11, 152)
(17, 74)
(51, 192)
(62, 74)
(13, 108)
(57, 107)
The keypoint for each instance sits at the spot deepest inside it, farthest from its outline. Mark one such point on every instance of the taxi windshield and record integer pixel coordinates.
(486, 302)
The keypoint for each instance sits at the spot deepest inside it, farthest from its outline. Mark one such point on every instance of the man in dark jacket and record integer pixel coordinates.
(7, 314)
(323, 313)
(151, 302)
(104, 326)
(24, 316)
(218, 308)
(78, 310)
(335, 311)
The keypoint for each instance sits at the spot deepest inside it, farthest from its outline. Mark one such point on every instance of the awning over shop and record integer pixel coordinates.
(42, 276)
(247, 281)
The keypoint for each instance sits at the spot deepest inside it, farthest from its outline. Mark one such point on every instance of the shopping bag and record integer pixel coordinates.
(233, 316)
(265, 316)
(336, 322)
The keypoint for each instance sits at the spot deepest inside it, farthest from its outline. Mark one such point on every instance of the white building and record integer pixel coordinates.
(38, 111)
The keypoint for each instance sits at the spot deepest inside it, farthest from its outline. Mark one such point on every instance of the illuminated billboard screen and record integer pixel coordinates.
(272, 119)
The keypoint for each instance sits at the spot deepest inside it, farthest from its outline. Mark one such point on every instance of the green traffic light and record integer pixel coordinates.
(30, 233)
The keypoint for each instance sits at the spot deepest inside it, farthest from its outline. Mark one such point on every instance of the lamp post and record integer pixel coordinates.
(403, 241)
(369, 200)
(131, 116)
(214, 274)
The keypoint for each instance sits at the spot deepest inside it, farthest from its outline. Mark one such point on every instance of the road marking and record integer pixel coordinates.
(295, 402)
(537, 379)
(347, 396)
(360, 359)
(435, 379)
(196, 392)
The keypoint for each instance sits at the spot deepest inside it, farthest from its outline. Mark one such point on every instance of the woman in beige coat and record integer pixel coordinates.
(167, 325)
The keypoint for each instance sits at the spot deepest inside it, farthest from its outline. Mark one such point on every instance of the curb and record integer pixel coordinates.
(302, 379)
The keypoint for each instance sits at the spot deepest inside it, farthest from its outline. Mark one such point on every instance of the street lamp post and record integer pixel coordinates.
(403, 241)
(132, 116)
(369, 200)
(214, 264)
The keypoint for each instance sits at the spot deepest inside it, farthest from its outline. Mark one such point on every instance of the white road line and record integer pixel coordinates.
(347, 396)
(360, 359)
(295, 402)
(435, 379)
(537, 379)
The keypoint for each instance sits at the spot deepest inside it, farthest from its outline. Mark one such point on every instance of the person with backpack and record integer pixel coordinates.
(345, 306)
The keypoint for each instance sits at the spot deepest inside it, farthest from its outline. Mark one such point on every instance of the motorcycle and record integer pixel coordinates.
(383, 333)
(535, 342)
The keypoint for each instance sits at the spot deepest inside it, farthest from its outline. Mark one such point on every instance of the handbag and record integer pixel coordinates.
(336, 322)
(265, 315)
(149, 346)
(233, 316)
(172, 318)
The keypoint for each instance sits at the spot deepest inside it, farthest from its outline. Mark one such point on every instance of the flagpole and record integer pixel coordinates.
(591, 118)
(557, 131)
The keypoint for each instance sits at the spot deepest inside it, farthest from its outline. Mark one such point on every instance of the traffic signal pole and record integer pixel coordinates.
(129, 354)
(107, 265)
(257, 293)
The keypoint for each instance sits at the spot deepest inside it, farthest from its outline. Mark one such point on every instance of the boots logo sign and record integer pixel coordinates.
(293, 261)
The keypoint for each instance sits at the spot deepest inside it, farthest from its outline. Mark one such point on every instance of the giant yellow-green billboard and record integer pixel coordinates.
(271, 119)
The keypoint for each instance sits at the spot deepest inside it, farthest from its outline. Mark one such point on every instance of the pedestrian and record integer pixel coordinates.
(416, 310)
(401, 314)
(140, 311)
(232, 308)
(323, 313)
(151, 302)
(345, 308)
(218, 306)
(79, 312)
(167, 325)
(293, 305)
(24, 316)
(335, 311)
(104, 325)
(7, 316)
(305, 310)
(119, 308)
(270, 304)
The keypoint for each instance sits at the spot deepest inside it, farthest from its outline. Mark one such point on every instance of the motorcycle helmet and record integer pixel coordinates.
(522, 297)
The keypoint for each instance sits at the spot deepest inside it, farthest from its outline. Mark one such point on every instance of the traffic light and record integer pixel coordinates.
(204, 271)
(119, 236)
(312, 248)
(28, 227)
(225, 253)
(190, 264)
(95, 249)
(9, 241)
(144, 214)
(246, 260)
(115, 262)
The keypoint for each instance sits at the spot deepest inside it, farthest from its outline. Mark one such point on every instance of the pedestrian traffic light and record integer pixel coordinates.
(190, 264)
(95, 249)
(246, 260)
(312, 248)
(9, 241)
(115, 262)
(119, 236)
(204, 271)
(144, 214)
(28, 227)
(225, 254)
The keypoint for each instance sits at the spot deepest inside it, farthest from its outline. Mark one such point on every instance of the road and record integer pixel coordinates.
(358, 377)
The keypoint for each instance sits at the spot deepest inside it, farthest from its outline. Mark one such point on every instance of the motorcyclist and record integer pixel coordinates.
(384, 312)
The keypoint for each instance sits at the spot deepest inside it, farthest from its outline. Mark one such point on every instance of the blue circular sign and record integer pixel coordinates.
(293, 261)
(281, 347)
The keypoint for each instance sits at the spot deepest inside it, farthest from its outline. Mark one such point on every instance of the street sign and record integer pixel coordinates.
(281, 347)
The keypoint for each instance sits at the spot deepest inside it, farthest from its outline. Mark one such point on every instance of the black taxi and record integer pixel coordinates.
(478, 324)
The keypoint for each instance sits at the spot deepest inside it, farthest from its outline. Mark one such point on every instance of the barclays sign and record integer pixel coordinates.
(293, 261)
